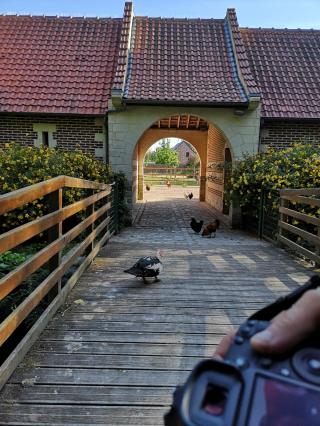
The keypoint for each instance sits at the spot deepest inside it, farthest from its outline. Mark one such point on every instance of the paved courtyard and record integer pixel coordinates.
(115, 352)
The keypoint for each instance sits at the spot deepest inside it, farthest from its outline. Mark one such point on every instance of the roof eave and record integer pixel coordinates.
(305, 119)
(56, 114)
(185, 103)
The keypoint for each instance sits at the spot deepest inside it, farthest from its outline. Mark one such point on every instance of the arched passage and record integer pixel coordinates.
(208, 141)
(127, 126)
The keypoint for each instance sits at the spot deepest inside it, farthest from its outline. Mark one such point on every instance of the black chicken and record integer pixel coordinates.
(189, 196)
(196, 226)
(211, 228)
(147, 187)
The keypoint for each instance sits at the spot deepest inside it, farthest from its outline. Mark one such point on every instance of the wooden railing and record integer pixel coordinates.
(94, 236)
(304, 238)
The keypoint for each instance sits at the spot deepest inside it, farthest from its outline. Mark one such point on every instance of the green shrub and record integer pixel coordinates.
(23, 166)
(294, 167)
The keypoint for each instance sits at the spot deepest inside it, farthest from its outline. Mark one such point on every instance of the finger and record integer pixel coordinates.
(290, 327)
(224, 345)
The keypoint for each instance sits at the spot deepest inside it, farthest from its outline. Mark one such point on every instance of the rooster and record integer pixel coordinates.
(168, 183)
(147, 187)
(211, 229)
(196, 226)
(147, 267)
(189, 196)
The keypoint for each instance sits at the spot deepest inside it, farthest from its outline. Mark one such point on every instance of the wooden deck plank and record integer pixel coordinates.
(115, 361)
(90, 395)
(109, 348)
(116, 357)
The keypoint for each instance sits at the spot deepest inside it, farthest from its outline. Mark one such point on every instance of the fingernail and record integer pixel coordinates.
(264, 337)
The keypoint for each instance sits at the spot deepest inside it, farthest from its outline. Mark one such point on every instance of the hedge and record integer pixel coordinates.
(23, 166)
(294, 167)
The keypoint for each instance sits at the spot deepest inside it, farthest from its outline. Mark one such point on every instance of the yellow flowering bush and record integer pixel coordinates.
(22, 166)
(294, 167)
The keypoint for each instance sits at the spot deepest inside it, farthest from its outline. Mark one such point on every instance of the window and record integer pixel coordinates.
(45, 138)
(187, 154)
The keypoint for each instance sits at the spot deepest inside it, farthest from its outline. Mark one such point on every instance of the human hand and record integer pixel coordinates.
(286, 330)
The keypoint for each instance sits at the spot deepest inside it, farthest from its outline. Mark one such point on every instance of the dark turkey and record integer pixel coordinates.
(146, 267)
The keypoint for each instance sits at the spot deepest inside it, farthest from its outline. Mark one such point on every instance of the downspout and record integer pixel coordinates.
(106, 128)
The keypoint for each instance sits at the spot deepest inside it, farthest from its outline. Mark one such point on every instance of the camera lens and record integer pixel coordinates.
(215, 400)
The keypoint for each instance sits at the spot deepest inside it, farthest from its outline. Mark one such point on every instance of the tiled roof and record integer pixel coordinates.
(57, 65)
(286, 67)
(182, 60)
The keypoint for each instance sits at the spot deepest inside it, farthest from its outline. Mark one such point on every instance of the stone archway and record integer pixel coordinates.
(226, 129)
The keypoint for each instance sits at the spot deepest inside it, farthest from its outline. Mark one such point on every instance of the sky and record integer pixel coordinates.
(251, 13)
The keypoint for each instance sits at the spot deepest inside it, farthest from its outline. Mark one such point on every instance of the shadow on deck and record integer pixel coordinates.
(114, 354)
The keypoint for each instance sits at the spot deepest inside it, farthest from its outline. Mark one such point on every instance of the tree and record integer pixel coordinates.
(165, 155)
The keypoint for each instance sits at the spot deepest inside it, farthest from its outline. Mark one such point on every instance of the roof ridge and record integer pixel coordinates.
(16, 15)
(172, 18)
(120, 75)
(241, 59)
(279, 29)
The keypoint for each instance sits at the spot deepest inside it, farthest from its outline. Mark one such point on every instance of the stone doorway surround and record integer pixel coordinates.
(130, 135)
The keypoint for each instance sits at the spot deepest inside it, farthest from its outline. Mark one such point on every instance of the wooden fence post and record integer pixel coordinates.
(115, 209)
(55, 232)
(90, 229)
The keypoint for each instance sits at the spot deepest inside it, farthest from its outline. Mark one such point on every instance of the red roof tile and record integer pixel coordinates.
(57, 65)
(182, 60)
(286, 67)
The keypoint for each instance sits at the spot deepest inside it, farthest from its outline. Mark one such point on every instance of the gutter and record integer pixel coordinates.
(186, 103)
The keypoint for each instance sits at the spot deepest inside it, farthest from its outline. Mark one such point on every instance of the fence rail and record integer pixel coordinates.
(299, 223)
(99, 224)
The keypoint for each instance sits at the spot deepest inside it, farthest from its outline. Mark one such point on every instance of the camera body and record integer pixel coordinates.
(250, 389)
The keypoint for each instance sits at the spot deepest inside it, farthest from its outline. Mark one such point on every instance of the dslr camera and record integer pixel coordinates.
(250, 389)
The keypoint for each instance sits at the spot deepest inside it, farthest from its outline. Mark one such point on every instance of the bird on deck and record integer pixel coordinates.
(189, 196)
(168, 183)
(196, 226)
(147, 187)
(211, 228)
(147, 267)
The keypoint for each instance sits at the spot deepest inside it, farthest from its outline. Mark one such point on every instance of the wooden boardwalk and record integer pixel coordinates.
(115, 352)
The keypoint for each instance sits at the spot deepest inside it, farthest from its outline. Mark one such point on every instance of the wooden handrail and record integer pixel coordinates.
(24, 232)
(18, 198)
(52, 253)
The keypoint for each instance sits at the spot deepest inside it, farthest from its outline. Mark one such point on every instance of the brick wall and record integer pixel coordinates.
(281, 134)
(67, 133)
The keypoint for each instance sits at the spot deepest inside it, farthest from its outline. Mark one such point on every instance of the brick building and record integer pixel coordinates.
(114, 86)
(185, 152)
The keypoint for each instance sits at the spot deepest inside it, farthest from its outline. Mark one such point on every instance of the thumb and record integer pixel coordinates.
(290, 327)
